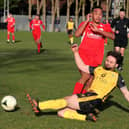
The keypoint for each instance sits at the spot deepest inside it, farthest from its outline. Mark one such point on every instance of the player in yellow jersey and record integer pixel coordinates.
(105, 80)
(70, 27)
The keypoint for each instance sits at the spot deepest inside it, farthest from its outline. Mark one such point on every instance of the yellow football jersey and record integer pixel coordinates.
(104, 81)
(70, 25)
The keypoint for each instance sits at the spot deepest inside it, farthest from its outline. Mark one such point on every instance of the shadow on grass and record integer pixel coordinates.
(108, 103)
(22, 60)
(101, 108)
(46, 113)
(18, 41)
(17, 108)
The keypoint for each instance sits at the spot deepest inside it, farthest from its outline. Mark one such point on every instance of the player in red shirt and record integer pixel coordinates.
(91, 49)
(10, 27)
(36, 30)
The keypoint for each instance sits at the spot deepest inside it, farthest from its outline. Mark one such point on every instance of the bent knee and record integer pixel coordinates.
(60, 113)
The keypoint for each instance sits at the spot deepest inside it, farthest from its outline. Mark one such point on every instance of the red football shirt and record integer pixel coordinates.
(35, 25)
(11, 22)
(91, 49)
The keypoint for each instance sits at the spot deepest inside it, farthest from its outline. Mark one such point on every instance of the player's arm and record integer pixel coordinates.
(128, 29)
(13, 23)
(80, 30)
(43, 26)
(128, 32)
(104, 33)
(113, 23)
(6, 20)
(125, 92)
(113, 26)
(78, 60)
(122, 87)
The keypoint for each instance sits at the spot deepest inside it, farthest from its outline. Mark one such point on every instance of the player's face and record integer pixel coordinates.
(110, 63)
(122, 14)
(97, 15)
(71, 19)
(10, 15)
(37, 17)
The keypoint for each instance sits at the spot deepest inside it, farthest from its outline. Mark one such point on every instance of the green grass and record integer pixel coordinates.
(52, 74)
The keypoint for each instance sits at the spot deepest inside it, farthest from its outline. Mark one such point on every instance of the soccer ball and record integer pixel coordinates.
(9, 103)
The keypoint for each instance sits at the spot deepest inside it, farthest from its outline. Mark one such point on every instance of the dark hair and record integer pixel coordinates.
(115, 54)
(122, 9)
(96, 7)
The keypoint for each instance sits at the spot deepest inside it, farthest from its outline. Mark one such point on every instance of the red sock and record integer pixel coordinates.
(8, 36)
(78, 88)
(13, 37)
(38, 47)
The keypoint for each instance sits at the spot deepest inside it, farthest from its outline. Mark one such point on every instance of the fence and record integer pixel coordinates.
(22, 23)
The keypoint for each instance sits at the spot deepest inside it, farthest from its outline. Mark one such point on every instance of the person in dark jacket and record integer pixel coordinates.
(120, 26)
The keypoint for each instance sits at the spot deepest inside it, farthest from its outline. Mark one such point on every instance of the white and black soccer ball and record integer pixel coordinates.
(9, 103)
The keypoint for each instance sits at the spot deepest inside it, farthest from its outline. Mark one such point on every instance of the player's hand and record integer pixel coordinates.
(88, 17)
(128, 35)
(5, 20)
(12, 26)
(74, 48)
(94, 28)
(117, 32)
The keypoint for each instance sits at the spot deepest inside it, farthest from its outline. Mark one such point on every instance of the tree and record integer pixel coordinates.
(127, 12)
(106, 4)
(54, 11)
(57, 8)
(107, 9)
(97, 2)
(38, 9)
(53, 14)
(69, 3)
(43, 6)
(116, 8)
(76, 13)
(79, 5)
(44, 11)
(91, 4)
(29, 8)
(83, 10)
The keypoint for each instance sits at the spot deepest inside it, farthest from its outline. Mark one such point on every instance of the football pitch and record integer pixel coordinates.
(50, 75)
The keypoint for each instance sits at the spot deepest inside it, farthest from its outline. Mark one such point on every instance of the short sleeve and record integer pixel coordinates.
(80, 26)
(91, 70)
(120, 82)
(113, 23)
(128, 23)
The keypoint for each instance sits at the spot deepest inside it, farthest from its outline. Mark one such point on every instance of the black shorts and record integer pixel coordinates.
(121, 42)
(70, 32)
(87, 106)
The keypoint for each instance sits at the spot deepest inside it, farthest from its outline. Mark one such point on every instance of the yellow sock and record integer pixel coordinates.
(71, 40)
(52, 104)
(72, 114)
